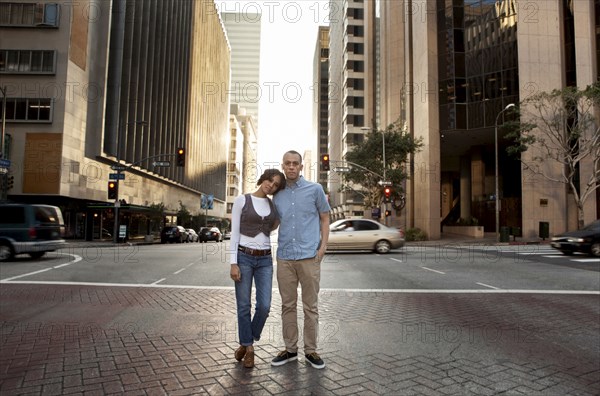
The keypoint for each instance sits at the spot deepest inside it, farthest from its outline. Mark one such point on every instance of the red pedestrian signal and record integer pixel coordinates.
(113, 190)
(180, 156)
(325, 162)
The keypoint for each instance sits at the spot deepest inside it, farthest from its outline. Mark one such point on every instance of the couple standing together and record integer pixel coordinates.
(301, 211)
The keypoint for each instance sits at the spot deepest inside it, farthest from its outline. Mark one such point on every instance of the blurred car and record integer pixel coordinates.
(586, 240)
(210, 234)
(30, 229)
(192, 235)
(176, 234)
(363, 234)
(227, 235)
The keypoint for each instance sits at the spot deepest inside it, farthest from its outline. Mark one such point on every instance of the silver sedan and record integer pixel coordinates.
(363, 234)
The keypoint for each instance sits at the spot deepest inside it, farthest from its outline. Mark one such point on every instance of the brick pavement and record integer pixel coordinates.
(68, 339)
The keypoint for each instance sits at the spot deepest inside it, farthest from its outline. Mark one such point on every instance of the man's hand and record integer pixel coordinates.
(321, 253)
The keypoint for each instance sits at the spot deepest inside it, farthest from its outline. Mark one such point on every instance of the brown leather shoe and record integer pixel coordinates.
(240, 353)
(249, 358)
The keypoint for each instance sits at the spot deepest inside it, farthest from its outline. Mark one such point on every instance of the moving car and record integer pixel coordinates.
(30, 229)
(210, 234)
(363, 234)
(192, 235)
(173, 234)
(586, 240)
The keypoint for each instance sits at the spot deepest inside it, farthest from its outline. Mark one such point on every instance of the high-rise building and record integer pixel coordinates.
(321, 99)
(96, 86)
(450, 69)
(243, 31)
(351, 91)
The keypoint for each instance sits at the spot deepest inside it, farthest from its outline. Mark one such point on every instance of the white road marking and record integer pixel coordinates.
(158, 281)
(183, 269)
(415, 291)
(484, 285)
(432, 270)
(589, 260)
(76, 259)
(395, 259)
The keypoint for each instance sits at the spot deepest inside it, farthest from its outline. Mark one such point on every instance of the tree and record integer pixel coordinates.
(561, 127)
(184, 217)
(369, 156)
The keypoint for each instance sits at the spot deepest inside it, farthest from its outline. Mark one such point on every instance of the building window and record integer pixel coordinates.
(28, 110)
(27, 62)
(29, 14)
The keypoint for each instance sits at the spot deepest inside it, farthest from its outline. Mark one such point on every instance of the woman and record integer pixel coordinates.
(253, 217)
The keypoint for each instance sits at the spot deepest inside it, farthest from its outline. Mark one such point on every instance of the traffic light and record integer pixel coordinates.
(325, 162)
(113, 190)
(180, 156)
(387, 193)
(388, 213)
(10, 182)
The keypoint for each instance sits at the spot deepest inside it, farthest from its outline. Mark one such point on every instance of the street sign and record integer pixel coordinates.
(341, 169)
(4, 163)
(161, 163)
(116, 176)
(384, 183)
(3, 170)
(118, 167)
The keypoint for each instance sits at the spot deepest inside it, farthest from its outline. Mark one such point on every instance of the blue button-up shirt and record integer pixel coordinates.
(299, 207)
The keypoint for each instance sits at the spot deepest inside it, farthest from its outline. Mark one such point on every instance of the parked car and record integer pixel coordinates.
(173, 234)
(30, 229)
(192, 235)
(586, 240)
(227, 234)
(210, 234)
(363, 234)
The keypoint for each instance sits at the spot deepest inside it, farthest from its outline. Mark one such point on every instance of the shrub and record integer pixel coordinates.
(415, 234)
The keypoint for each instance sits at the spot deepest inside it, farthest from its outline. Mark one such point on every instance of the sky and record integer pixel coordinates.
(288, 40)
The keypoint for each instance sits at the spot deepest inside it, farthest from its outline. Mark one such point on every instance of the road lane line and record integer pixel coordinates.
(589, 260)
(158, 281)
(183, 269)
(429, 269)
(484, 285)
(395, 259)
(76, 259)
(407, 291)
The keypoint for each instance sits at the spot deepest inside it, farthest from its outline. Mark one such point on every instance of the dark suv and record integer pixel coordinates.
(30, 229)
(173, 234)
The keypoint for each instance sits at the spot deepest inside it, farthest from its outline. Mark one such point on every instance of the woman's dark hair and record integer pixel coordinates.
(269, 174)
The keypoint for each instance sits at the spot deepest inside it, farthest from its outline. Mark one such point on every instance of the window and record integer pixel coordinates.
(27, 62)
(29, 14)
(365, 226)
(28, 110)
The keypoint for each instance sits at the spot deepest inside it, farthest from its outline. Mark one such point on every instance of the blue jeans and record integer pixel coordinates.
(259, 268)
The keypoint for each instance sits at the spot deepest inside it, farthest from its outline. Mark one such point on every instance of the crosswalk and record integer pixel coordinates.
(523, 251)
(546, 252)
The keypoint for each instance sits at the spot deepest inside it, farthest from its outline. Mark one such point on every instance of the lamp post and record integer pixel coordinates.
(117, 202)
(497, 192)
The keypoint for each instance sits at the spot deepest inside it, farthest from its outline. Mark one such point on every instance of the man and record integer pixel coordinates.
(303, 235)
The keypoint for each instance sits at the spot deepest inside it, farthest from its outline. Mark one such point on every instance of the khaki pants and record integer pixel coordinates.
(308, 273)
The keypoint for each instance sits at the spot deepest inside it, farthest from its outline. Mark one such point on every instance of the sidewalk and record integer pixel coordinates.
(97, 340)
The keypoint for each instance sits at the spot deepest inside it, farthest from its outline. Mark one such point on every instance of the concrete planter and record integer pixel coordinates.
(470, 231)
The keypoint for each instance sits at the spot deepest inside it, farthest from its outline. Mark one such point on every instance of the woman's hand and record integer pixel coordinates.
(235, 273)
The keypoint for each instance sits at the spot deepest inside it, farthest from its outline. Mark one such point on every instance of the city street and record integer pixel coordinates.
(434, 319)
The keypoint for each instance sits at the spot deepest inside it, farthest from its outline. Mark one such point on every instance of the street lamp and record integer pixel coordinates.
(497, 198)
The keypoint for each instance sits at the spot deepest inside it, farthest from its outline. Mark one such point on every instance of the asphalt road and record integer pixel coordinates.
(443, 267)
